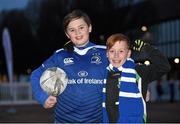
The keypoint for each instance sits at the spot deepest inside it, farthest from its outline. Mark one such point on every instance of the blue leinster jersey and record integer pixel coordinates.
(82, 99)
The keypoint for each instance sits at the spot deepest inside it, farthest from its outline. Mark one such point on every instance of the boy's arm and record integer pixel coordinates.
(38, 93)
(159, 65)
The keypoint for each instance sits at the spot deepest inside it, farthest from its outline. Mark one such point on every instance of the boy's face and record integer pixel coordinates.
(78, 32)
(118, 53)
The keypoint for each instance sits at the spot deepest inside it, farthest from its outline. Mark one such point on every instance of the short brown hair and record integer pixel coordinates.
(117, 37)
(76, 14)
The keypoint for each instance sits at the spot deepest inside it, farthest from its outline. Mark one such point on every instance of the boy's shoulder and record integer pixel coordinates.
(99, 48)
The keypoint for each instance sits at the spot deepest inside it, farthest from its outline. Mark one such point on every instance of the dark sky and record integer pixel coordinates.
(36, 26)
(8, 5)
(12, 4)
(32, 42)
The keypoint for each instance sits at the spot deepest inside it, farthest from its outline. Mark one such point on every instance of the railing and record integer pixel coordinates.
(16, 93)
(21, 93)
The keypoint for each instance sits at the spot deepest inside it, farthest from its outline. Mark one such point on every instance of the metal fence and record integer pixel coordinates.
(16, 93)
(21, 93)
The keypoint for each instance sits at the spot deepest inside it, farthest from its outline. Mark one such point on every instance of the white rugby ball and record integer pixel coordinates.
(53, 81)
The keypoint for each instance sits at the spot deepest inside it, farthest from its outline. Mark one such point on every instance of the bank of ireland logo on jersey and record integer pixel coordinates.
(68, 61)
(96, 59)
(82, 73)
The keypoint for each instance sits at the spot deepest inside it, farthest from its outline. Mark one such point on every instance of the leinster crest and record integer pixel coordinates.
(96, 59)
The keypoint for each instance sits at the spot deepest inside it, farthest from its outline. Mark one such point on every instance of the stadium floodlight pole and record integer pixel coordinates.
(6, 39)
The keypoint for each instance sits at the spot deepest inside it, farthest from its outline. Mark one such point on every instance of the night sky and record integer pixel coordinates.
(36, 25)
(12, 4)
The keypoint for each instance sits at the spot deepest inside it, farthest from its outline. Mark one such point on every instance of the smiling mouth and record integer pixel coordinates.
(116, 61)
(79, 37)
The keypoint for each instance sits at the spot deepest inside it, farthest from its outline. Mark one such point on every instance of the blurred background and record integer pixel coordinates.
(31, 30)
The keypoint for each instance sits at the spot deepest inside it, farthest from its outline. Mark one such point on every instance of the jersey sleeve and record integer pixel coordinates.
(158, 67)
(38, 93)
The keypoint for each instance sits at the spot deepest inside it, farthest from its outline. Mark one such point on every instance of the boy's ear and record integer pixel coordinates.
(106, 54)
(129, 53)
(90, 28)
(67, 35)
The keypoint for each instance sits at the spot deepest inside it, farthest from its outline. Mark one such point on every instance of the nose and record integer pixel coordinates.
(77, 31)
(116, 54)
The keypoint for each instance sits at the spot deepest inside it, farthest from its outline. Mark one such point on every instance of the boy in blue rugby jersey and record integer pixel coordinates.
(84, 65)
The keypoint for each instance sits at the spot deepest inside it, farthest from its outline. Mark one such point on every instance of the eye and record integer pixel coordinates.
(121, 51)
(111, 51)
(81, 28)
(71, 30)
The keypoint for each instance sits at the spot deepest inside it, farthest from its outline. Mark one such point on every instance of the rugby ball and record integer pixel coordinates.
(53, 81)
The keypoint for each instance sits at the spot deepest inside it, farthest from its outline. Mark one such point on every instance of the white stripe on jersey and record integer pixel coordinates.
(130, 95)
(84, 51)
(128, 79)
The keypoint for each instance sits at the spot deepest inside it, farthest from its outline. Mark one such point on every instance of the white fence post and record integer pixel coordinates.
(22, 93)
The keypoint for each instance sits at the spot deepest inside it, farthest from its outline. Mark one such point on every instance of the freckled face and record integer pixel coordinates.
(78, 32)
(118, 53)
